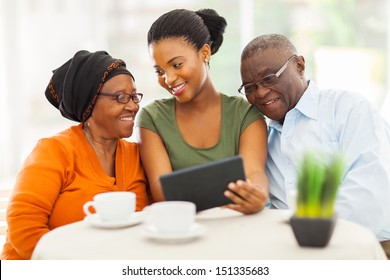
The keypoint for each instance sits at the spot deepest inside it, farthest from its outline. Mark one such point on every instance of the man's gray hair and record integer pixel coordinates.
(275, 42)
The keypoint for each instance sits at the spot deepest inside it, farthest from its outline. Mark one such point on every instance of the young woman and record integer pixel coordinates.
(198, 124)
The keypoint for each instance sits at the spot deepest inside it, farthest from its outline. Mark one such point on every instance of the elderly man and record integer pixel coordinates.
(303, 116)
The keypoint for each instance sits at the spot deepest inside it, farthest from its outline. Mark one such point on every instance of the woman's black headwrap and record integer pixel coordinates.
(74, 87)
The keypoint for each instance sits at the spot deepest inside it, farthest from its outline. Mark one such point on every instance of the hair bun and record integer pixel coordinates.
(216, 26)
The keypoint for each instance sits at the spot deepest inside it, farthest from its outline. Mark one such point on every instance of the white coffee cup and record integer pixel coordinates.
(171, 216)
(112, 206)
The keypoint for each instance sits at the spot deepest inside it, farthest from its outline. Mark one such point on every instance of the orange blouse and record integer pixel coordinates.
(58, 177)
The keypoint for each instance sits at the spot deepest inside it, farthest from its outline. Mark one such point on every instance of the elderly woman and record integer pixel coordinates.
(67, 170)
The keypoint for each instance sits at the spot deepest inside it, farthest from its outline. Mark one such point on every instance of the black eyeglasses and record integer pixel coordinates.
(124, 98)
(266, 81)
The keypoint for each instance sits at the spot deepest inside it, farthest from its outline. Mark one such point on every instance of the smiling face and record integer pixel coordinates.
(115, 120)
(276, 100)
(180, 68)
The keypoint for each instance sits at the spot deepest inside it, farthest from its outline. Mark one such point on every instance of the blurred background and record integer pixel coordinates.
(345, 43)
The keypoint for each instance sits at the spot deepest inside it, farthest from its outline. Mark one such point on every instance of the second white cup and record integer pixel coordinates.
(171, 216)
(112, 206)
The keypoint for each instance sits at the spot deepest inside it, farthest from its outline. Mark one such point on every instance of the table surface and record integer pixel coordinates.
(229, 236)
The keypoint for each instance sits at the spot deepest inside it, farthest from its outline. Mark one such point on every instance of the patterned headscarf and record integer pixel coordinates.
(74, 87)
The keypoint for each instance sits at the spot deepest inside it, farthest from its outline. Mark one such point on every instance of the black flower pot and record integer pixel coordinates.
(313, 232)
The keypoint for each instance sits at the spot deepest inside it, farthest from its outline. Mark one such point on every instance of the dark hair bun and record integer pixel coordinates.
(216, 26)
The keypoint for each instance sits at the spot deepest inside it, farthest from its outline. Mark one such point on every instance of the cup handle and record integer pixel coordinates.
(86, 207)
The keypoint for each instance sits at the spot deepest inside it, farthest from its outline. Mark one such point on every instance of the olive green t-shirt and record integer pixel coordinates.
(159, 117)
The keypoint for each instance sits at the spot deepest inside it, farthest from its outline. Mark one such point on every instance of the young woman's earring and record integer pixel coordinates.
(207, 62)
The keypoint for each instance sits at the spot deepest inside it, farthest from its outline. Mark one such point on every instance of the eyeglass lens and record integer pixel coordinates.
(267, 81)
(125, 98)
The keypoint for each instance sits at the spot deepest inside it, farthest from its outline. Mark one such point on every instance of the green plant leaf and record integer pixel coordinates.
(318, 182)
(334, 175)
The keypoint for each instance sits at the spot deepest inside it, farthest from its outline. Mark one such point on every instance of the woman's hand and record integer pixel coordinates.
(248, 198)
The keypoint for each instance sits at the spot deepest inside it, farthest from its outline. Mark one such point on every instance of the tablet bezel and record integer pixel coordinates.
(203, 184)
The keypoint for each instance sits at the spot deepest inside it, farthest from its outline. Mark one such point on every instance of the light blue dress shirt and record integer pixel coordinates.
(330, 121)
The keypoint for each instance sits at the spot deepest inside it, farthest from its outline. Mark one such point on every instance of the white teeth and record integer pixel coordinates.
(127, 119)
(178, 87)
(270, 102)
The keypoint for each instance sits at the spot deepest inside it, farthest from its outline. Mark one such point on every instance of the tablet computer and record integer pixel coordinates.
(203, 184)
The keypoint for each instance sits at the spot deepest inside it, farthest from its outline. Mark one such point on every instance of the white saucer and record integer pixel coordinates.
(196, 230)
(97, 222)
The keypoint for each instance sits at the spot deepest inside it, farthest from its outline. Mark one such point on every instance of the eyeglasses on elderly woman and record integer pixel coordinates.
(124, 98)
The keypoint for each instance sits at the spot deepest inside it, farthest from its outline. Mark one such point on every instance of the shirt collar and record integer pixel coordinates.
(307, 105)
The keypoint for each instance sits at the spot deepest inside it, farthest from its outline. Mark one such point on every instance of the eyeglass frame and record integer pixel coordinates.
(261, 82)
(117, 95)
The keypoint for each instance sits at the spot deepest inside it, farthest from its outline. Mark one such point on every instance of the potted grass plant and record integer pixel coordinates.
(318, 181)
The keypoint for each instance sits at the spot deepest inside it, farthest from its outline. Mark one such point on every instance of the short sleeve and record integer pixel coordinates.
(145, 120)
(252, 115)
